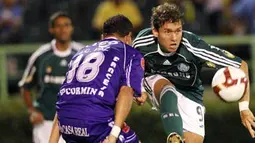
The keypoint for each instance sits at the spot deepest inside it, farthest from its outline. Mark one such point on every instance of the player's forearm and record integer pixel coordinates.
(54, 136)
(123, 105)
(246, 96)
(26, 95)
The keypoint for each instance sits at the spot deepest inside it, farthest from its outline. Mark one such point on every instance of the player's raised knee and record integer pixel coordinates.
(160, 85)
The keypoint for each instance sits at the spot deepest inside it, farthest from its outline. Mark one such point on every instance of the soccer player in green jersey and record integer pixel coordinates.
(46, 70)
(173, 61)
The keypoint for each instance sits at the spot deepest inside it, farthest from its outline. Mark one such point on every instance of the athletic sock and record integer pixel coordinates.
(170, 115)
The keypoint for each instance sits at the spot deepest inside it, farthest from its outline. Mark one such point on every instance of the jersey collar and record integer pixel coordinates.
(60, 53)
(163, 53)
(111, 38)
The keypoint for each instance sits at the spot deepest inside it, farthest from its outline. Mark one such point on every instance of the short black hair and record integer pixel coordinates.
(118, 24)
(167, 12)
(56, 15)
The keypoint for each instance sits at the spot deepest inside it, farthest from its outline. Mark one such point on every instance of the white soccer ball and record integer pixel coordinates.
(229, 84)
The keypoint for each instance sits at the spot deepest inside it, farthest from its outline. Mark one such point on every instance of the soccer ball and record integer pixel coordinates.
(229, 84)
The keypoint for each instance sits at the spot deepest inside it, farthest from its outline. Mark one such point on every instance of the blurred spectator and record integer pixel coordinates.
(214, 10)
(11, 13)
(203, 17)
(200, 25)
(145, 6)
(110, 8)
(238, 27)
(36, 17)
(235, 25)
(244, 11)
(195, 18)
(84, 12)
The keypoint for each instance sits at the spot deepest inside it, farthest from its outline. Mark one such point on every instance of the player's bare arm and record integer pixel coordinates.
(123, 105)
(247, 116)
(36, 117)
(122, 109)
(54, 136)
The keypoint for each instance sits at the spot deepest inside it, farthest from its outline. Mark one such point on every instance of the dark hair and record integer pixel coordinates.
(167, 12)
(56, 15)
(118, 24)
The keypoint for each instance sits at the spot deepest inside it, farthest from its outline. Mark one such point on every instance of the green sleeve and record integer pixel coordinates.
(29, 78)
(211, 56)
(144, 38)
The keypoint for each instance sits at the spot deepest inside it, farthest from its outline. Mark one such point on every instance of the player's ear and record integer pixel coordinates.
(72, 29)
(51, 30)
(102, 36)
(155, 32)
(128, 38)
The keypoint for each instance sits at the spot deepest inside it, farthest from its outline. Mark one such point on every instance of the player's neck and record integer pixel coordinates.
(163, 49)
(164, 52)
(114, 36)
(62, 46)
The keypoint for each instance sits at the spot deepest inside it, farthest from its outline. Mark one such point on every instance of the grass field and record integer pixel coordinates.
(223, 123)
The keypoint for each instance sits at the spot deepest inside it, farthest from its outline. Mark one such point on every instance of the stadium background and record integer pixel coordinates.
(225, 23)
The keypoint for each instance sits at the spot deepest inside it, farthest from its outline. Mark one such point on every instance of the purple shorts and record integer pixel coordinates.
(80, 131)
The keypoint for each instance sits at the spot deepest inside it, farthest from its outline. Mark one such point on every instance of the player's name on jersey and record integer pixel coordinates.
(54, 79)
(70, 130)
(78, 91)
(109, 75)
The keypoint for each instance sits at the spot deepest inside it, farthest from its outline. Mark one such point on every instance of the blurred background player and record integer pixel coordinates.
(173, 62)
(98, 75)
(46, 70)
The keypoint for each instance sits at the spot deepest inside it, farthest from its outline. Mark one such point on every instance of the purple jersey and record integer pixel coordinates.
(95, 76)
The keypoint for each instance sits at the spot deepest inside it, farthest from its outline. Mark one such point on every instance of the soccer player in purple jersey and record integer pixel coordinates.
(102, 80)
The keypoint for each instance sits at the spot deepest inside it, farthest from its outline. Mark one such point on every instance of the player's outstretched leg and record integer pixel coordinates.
(170, 115)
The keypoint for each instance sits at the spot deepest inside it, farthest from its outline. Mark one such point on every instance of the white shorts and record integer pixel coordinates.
(191, 112)
(41, 132)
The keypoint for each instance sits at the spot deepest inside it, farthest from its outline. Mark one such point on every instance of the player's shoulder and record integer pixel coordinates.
(144, 38)
(43, 49)
(76, 46)
(144, 32)
(190, 38)
(132, 50)
(145, 41)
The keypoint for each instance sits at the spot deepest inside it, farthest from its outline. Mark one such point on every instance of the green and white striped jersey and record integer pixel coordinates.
(183, 67)
(46, 70)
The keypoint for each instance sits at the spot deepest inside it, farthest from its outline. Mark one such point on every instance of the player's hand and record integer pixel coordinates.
(248, 119)
(141, 100)
(36, 117)
(110, 139)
